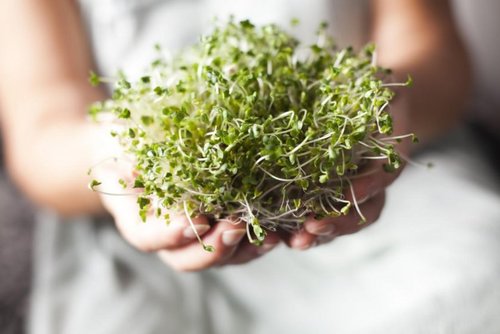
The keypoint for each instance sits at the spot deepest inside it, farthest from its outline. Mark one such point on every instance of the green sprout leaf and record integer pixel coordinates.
(409, 81)
(147, 120)
(94, 79)
(209, 248)
(93, 184)
(246, 24)
(143, 202)
(122, 183)
(294, 22)
(138, 183)
(124, 113)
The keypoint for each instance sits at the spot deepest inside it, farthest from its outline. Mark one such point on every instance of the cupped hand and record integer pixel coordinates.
(366, 192)
(176, 243)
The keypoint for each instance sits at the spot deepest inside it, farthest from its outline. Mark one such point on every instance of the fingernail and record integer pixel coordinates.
(265, 248)
(200, 229)
(327, 229)
(300, 244)
(232, 237)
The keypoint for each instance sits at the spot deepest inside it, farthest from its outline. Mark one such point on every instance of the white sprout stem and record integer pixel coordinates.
(340, 57)
(322, 204)
(252, 218)
(363, 218)
(330, 204)
(304, 142)
(377, 115)
(410, 135)
(113, 194)
(289, 212)
(284, 180)
(374, 58)
(283, 115)
(179, 147)
(249, 234)
(194, 192)
(188, 216)
(395, 84)
(97, 164)
(260, 160)
(379, 145)
(341, 133)
(249, 208)
(362, 143)
(328, 135)
(279, 185)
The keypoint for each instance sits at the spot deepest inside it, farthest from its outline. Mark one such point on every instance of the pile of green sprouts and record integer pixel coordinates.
(250, 125)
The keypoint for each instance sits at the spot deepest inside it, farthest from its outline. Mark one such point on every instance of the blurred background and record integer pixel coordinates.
(16, 237)
(480, 26)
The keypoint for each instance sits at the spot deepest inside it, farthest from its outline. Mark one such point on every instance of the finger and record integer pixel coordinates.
(247, 251)
(224, 237)
(350, 223)
(371, 180)
(155, 233)
(300, 240)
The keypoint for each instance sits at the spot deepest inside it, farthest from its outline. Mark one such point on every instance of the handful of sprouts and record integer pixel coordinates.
(242, 126)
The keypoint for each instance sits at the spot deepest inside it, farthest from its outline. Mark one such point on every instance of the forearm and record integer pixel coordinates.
(44, 94)
(418, 38)
(49, 153)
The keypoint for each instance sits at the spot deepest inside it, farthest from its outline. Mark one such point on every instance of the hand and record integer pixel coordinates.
(175, 243)
(369, 194)
(368, 191)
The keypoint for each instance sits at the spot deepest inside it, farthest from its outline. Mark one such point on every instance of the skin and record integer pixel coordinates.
(45, 56)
